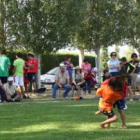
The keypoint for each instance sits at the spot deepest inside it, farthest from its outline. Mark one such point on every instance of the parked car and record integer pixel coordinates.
(48, 79)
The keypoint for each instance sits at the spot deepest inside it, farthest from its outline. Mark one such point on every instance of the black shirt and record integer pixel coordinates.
(134, 62)
(127, 68)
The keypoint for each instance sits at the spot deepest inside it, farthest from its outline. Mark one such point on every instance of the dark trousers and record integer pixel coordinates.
(3, 95)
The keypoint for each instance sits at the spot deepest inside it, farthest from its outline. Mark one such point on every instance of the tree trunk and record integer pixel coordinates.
(98, 64)
(81, 56)
(38, 56)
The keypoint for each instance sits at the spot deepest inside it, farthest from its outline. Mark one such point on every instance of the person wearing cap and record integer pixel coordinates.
(127, 68)
(12, 92)
(61, 81)
(78, 80)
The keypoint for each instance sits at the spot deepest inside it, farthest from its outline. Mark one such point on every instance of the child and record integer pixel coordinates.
(110, 94)
(127, 68)
(106, 75)
(121, 104)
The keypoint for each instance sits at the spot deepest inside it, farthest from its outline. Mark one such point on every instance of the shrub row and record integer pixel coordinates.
(51, 60)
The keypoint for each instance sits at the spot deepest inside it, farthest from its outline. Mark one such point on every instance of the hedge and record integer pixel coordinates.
(51, 60)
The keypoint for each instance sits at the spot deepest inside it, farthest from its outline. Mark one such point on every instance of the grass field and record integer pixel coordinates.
(63, 120)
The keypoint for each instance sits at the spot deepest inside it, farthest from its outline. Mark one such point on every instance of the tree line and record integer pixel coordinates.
(48, 25)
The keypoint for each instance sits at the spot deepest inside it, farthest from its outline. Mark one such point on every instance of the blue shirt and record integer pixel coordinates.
(113, 62)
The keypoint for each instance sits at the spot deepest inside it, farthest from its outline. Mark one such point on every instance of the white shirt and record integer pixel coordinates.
(10, 89)
(113, 62)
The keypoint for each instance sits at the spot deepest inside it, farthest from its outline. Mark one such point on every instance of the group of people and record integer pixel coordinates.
(13, 88)
(115, 85)
(70, 77)
(117, 81)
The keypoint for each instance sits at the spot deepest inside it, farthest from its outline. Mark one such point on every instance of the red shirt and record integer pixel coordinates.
(124, 89)
(33, 62)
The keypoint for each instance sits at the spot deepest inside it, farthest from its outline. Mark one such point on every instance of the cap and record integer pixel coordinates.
(10, 78)
(62, 65)
(77, 68)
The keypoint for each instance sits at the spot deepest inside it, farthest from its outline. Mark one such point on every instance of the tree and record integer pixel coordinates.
(132, 34)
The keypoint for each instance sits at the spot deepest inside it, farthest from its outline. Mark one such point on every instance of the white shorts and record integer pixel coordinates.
(18, 80)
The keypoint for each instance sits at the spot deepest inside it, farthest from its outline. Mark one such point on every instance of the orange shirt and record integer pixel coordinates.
(109, 96)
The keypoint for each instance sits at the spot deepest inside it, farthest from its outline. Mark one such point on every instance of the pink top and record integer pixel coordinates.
(86, 67)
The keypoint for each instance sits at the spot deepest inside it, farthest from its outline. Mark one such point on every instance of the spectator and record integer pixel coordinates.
(61, 81)
(86, 66)
(127, 68)
(25, 71)
(134, 62)
(69, 66)
(2, 93)
(87, 70)
(4, 67)
(32, 71)
(106, 75)
(18, 72)
(12, 92)
(78, 80)
(113, 65)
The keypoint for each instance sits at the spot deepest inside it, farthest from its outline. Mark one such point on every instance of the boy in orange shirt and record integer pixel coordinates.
(109, 95)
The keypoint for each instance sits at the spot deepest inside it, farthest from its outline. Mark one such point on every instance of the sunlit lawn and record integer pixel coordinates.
(63, 120)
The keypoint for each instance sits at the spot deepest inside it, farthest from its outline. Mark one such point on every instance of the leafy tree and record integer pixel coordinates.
(132, 34)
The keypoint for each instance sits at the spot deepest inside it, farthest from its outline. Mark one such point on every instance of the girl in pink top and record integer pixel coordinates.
(86, 66)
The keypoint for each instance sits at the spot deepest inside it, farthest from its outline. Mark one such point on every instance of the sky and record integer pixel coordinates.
(122, 52)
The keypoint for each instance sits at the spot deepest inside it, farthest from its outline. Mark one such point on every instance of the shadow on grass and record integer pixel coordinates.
(60, 121)
(53, 134)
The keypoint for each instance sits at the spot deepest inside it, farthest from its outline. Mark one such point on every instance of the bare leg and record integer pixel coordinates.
(34, 86)
(123, 118)
(139, 91)
(22, 93)
(108, 121)
(130, 92)
(98, 112)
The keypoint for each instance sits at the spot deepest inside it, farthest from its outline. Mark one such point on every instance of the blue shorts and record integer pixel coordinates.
(120, 104)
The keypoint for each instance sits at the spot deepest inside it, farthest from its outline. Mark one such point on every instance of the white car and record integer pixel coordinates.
(48, 79)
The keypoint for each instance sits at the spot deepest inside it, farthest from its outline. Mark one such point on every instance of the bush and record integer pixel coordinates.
(54, 59)
(50, 60)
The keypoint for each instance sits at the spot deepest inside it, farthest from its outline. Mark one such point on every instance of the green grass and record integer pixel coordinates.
(63, 120)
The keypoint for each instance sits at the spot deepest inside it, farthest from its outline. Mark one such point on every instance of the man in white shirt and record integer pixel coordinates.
(61, 81)
(12, 92)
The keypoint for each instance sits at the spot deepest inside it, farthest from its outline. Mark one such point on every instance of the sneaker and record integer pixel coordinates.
(123, 127)
(54, 99)
(131, 100)
(16, 100)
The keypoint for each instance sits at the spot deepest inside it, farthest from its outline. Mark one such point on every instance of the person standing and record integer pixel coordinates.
(127, 68)
(113, 65)
(87, 70)
(69, 65)
(134, 62)
(4, 67)
(32, 71)
(18, 72)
